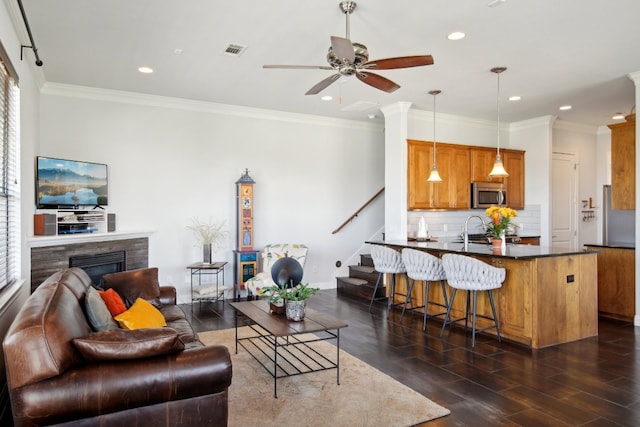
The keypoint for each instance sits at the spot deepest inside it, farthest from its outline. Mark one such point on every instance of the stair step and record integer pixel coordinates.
(358, 288)
(365, 259)
(364, 272)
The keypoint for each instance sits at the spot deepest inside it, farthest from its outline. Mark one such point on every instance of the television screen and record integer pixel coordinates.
(69, 183)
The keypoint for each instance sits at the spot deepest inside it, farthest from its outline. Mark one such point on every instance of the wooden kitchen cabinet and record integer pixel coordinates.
(453, 163)
(616, 282)
(513, 161)
(623, 165)
(482, 160)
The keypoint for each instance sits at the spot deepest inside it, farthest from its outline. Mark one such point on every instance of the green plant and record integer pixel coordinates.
(277, 293)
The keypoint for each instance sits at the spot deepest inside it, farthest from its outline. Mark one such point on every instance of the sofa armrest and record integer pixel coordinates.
(168, 295)
(95, 389)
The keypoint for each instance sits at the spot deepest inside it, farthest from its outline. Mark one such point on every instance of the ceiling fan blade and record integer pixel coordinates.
(377, 81)
(343, 49)
(299, 67)
(400, 62)
(323, 84)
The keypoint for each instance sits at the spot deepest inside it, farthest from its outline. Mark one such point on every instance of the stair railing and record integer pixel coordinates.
(355, 214)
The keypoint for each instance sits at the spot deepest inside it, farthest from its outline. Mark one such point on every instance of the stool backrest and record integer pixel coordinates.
(422, 265)
(464, 272)
(387, 260)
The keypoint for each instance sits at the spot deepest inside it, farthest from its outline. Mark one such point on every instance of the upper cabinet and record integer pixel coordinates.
(623, 165)
(459, 166)
(453, 165)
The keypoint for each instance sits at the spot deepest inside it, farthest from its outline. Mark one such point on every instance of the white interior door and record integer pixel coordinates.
(564, 208)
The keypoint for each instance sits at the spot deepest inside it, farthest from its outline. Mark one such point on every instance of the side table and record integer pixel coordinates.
(207, 291)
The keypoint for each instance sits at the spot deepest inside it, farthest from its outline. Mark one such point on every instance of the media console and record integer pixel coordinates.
(59, 222)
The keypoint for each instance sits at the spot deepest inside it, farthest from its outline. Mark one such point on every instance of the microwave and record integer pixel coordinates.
(487, 194)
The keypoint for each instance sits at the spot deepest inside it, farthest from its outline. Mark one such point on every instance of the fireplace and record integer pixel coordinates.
(100, 264)
(53, 253)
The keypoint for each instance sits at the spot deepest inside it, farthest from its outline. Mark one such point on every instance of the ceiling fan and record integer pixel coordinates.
(348, 58)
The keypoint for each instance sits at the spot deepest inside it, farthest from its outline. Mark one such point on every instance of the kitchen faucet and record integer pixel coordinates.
(466, 230)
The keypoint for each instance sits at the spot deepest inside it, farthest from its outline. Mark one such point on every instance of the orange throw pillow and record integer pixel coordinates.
(114, 303)
(141, 315)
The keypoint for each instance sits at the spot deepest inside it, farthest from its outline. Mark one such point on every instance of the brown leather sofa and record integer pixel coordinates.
(52, 383)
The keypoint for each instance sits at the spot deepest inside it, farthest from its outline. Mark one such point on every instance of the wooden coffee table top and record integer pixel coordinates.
(278, 325)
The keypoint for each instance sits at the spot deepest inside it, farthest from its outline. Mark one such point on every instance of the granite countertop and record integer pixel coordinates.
(512, 251)
(615, 245)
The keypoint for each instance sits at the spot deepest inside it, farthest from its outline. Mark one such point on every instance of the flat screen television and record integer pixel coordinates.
(64, 183)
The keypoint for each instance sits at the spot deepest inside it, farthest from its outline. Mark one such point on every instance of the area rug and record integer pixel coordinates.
(364, 397)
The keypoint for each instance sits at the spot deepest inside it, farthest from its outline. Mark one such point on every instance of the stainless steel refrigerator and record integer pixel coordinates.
(619, 226)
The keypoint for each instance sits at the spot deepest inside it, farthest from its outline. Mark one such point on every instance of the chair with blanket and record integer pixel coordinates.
(269, 255)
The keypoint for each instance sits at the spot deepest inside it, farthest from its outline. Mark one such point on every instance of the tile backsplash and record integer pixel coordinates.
(449, 225)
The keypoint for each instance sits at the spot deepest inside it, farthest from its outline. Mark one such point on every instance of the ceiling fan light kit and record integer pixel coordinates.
(498, 168)
(348, 58)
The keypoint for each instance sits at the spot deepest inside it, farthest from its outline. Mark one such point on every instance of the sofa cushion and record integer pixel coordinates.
(38, 344)
(141, 315)
(134, 284)
(113, 301)
(97, 312)
(122, 344)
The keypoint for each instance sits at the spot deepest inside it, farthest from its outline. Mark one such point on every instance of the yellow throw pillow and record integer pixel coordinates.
(141, 315)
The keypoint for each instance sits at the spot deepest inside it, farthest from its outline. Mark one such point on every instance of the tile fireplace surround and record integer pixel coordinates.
(52, 253)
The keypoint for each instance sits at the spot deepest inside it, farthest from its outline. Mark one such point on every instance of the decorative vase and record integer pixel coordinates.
(295, 310)
(496, 244)
(503, 244)
(206, 253)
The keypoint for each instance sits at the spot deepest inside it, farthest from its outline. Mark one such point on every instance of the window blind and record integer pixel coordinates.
(9, 172)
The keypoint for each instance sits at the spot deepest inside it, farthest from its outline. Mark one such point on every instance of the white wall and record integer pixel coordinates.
(170, 160)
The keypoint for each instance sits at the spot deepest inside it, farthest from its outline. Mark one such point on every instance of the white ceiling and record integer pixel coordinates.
(576, 52)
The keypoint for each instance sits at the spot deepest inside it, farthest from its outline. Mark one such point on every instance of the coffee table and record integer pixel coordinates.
(285, 348)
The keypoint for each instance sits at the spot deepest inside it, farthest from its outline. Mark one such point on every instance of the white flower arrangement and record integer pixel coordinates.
(210, 232)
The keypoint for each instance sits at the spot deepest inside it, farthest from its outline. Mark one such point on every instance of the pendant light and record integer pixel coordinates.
(434, 176)
(498, 168)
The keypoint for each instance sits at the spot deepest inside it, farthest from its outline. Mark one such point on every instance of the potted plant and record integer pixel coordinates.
(212, 235)
(295, 298)
(499, 222)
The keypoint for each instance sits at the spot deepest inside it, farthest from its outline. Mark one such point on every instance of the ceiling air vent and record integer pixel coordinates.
(234, 49)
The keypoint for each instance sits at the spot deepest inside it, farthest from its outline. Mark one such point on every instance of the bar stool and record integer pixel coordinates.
(386, 260)
(471, 275)
(422, 265)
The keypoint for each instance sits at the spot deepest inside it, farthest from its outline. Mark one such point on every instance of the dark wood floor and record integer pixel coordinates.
(592, 382)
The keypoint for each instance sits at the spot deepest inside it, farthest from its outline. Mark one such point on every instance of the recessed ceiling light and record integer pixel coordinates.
(178, 51)
(618, 116)
(565, 107)
(145, 70)
(372, 116)
(515, 98)
(327, 98)
(456, 35)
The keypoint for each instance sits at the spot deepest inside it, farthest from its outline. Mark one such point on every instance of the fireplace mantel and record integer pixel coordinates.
(67, 239)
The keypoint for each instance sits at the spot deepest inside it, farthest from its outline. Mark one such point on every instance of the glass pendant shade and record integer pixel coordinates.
(434, 176)
(498, 170)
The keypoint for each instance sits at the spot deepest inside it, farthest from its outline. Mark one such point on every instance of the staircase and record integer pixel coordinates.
(361, 281)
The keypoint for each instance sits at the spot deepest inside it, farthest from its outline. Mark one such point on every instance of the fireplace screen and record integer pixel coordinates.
(100, 264)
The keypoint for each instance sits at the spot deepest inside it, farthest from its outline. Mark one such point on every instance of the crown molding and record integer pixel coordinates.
(575, 127)
(135, 98)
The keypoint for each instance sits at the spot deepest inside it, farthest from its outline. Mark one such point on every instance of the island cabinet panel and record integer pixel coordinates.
(565, 304)
(623, 165)
(543, 301)
(616, 282)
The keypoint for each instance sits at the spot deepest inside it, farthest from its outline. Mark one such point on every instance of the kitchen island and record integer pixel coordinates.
(549, 296)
